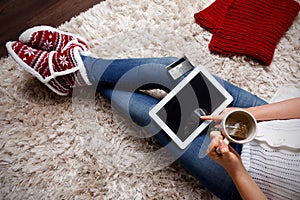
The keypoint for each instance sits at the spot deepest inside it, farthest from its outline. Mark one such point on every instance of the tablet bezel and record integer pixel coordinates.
(153, 112)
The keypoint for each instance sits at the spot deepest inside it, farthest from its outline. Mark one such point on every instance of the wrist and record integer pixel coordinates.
(254, 112)
(236, 171)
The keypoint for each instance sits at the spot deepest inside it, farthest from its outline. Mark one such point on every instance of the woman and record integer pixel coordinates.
(61, 61)
(232, 162)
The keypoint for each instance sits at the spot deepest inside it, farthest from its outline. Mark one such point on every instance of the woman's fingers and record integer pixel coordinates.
(215, 136)
(215, 118)
(224, 149)
(206, 117)
(218, 118)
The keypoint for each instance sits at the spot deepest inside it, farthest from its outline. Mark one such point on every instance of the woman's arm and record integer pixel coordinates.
(288, 109)
(232, 163)
(246, 186)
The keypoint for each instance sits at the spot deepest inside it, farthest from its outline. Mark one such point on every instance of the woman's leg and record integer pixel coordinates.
(241, 98)
(150, 73)
(130, 74)
(136, 106)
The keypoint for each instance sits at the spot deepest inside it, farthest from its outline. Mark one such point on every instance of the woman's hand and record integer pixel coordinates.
(228, 158)
(218, 118)
(232, 163)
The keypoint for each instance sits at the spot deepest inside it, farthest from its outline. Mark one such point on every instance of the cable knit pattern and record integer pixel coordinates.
(277, 172)
(248, 27)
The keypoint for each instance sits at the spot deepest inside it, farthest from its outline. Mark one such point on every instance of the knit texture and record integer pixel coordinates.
(275, 170)
(248, 27)
(60, 71)
(51, 39)
(210, 17)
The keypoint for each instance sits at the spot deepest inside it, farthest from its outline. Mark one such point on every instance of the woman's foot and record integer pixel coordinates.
(51, 39)
(60, 71)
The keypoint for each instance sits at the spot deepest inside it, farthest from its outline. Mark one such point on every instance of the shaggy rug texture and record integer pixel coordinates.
(71, 147)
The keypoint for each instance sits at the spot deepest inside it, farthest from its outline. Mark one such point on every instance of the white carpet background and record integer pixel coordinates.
(48, 145)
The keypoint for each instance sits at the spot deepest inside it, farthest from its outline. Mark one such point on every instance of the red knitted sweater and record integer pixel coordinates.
(248, 27)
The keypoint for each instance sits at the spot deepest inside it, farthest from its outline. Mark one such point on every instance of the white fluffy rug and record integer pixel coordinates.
(54, 147)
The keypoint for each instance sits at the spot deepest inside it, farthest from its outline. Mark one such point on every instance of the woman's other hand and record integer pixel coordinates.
(232, 163)
(228, 158)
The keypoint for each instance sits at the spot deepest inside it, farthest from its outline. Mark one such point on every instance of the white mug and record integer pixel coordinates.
(238, 126)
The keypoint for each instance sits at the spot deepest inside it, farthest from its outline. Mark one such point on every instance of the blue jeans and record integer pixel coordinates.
(122, 80)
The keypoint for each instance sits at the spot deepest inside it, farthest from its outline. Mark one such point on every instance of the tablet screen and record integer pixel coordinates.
(181, 112)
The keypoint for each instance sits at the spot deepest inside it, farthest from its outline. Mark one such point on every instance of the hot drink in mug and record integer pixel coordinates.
(238, 126)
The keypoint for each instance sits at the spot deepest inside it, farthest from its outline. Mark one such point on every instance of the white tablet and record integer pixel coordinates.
(179, 111)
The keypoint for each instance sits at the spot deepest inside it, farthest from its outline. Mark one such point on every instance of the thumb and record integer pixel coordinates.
(224, 149)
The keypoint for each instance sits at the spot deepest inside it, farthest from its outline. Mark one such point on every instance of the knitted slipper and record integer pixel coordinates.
(51, 39)
(60, 71)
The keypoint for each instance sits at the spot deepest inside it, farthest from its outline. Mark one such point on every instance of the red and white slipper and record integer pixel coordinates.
(60, 71)
(51, 39)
